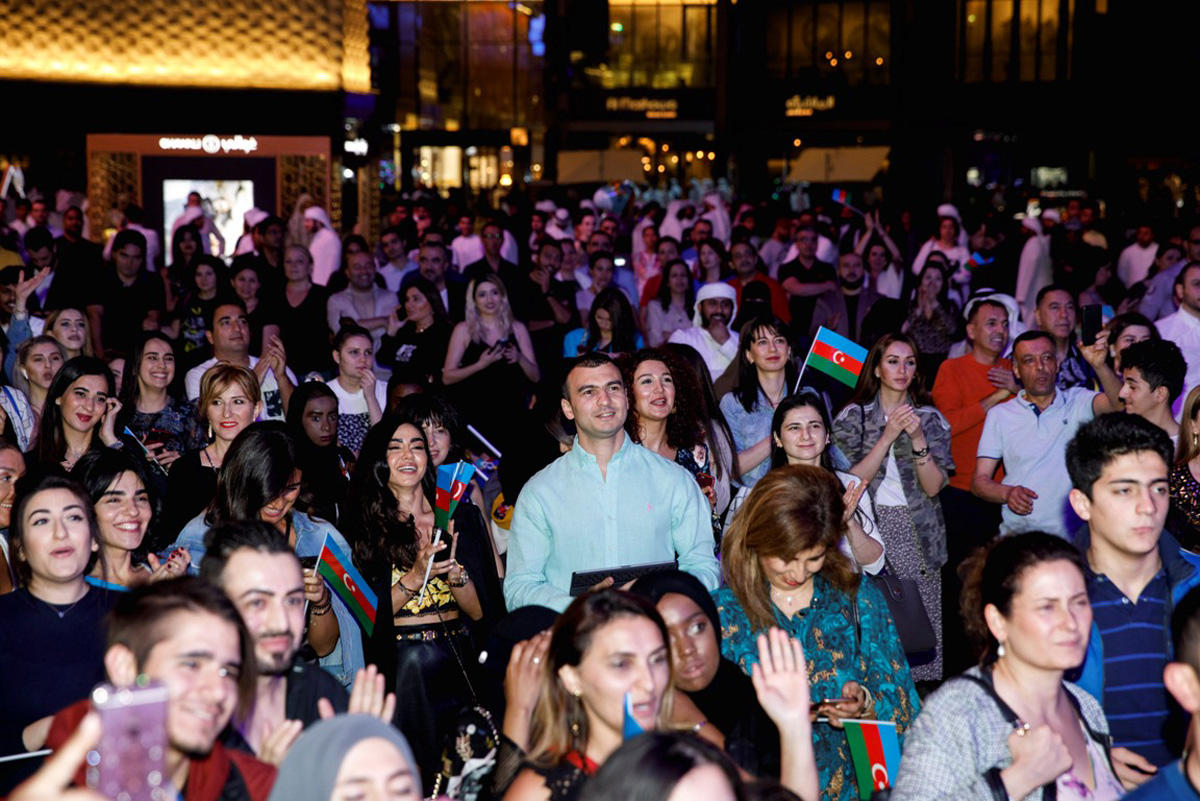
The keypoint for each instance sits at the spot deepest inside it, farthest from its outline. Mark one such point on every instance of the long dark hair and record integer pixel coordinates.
(432, 297)
(748, 387)
(51, 444)
(716, 428)
(868, 382)
(620, 315)
(323, 485)
(29, 485)
(804, 398)
(664, 288)
(381, 537)
(131, 390)
(255, 471)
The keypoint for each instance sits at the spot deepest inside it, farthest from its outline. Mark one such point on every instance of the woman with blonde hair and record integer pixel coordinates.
(1183, 519)
(230, 400)
(490, 364)
(783, 567)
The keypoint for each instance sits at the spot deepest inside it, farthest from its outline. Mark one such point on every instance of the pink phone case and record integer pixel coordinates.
(129, 764)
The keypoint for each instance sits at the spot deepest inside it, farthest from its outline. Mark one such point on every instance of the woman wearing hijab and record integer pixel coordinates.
(720, 690)
(348, 756)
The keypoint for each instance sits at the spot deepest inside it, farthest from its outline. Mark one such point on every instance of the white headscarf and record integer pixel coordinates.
(717, 289)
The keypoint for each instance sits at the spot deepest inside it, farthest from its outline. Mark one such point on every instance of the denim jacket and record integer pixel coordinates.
(345, 659)
(859, 427)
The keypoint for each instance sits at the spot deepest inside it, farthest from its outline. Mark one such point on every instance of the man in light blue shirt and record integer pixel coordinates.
(605, 503)
(1029, 434)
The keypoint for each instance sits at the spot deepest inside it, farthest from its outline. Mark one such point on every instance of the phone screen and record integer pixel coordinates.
(129, 764)
(1092, 317)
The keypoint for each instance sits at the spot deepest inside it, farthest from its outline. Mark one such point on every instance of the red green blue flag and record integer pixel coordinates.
(451, 486)
(976, 260)
(335, 567)
(875, 749)
(840, 196)
(836, 356)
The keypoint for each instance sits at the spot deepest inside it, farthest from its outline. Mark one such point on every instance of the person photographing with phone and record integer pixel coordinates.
(184, 634)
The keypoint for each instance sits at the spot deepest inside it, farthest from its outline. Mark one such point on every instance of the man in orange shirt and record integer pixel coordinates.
(966, 387)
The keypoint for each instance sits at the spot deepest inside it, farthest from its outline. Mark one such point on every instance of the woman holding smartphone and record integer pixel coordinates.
(152, 407)
(490, 364)
(783, 567)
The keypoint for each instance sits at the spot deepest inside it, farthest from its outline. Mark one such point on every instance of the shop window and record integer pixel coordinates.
(846, 39)
(1015, 40)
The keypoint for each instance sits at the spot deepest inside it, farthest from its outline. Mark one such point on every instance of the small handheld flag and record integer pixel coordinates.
(976, 260)
(451, 486)
(836, 356)
(875, 749)
(631, 727)
(335, 567)
(842, 197)
(145, 450)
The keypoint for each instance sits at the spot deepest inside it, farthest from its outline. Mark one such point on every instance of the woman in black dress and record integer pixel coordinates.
(301, 315)
(416, 345)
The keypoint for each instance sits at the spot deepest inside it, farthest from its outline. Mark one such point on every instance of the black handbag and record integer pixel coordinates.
(909, 615)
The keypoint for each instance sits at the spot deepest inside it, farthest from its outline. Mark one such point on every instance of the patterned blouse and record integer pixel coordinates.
(836, 654)
(1183, 520)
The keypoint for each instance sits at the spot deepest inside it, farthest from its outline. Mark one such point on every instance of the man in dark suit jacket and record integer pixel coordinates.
(492, 262)
(843, 309)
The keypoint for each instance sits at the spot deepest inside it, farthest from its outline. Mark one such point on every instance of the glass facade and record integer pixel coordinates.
(459, 64)
(1015, 40)
(846, 40)
(659, 44)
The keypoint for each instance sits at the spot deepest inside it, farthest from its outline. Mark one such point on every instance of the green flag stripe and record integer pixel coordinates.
(345, 594)
(833, 370)
(862, 762)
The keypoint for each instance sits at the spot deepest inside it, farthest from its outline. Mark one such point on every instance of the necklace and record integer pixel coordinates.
(61, 612)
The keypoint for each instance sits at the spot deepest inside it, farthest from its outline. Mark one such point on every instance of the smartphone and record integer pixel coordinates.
(825, 701)
(129, 763)
(1092, 316)
(619, 261)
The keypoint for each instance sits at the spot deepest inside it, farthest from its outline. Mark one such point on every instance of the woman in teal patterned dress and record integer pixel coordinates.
(783, 568)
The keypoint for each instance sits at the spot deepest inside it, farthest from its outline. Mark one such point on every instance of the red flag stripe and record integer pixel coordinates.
(875, 755)
(829, 352)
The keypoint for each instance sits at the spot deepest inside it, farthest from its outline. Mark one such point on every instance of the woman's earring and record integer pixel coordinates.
(1000, 651)
(210, 431)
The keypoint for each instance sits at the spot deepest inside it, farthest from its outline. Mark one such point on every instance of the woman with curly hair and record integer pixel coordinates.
(423, 637)
(666, 416)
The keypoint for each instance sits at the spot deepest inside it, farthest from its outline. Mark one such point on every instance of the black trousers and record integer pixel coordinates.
(971, 523)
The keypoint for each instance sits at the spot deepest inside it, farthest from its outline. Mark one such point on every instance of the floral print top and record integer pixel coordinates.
(835, 653)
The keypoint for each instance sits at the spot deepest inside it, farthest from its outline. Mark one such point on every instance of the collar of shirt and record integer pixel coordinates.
(581, 458)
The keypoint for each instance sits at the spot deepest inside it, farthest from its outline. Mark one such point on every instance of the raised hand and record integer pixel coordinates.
(780, 679)
(850, 499)
(1039, 757)
(368, 696)
(279, 741)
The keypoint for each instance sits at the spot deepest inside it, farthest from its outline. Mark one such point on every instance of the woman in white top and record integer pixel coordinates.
(801, 433)
(361, 398)
(671, 309)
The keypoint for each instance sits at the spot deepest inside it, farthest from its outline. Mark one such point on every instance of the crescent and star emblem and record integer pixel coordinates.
(881, 781)
(349, 584)
(838, 357)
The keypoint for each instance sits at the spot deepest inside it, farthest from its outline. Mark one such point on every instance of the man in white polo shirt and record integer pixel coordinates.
(1029, 435)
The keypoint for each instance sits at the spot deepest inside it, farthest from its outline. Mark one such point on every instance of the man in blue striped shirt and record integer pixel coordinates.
(1136, 574)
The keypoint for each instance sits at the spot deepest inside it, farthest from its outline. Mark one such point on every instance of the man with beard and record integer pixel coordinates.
(262, 577)
(716, 305)
(844, 309)
(185, 634)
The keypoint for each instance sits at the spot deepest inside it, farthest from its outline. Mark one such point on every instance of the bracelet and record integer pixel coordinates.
(464, 580)
(320, 610)
(699, 726)
(923, 452)
(410, 593)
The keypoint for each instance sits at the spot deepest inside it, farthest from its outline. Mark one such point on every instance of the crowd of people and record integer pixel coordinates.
(687, 556)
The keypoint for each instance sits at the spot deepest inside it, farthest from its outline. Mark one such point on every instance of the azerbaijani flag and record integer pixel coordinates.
(840, 196)
(836, 356)
(875, 749)
(336, 568)
(976, 260)
(631, 728)
(451, 486)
